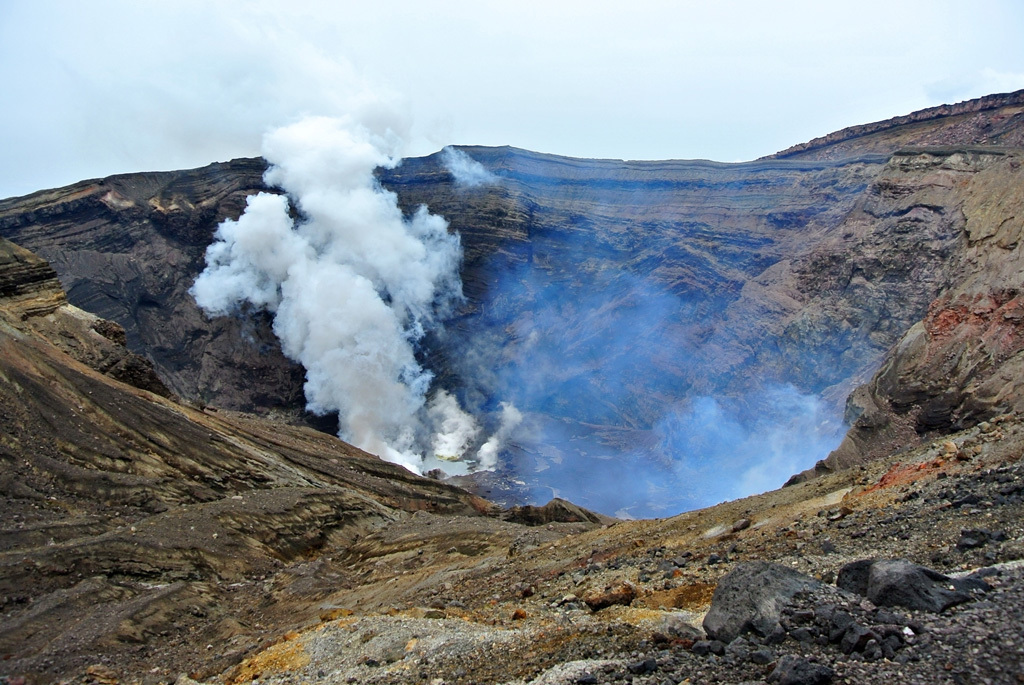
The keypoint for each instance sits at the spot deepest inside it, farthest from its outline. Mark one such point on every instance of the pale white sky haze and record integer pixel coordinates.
(109, 86)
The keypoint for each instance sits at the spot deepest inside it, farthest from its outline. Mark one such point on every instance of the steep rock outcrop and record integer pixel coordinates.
(29, 289)
(127, 249)
(28, 285)
(961, 363)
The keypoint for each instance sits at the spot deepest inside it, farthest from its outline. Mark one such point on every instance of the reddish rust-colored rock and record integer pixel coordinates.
(622, 592)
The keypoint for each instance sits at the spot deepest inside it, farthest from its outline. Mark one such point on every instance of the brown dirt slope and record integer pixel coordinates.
(131, 519)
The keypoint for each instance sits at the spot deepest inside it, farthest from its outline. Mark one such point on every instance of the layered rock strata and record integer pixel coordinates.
(961, 362)
(128, 248)
(806, 269)
(990, 120)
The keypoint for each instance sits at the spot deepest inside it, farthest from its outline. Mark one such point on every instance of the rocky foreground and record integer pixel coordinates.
(791, 597)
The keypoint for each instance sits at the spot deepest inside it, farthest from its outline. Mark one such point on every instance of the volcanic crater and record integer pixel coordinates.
(172, 512)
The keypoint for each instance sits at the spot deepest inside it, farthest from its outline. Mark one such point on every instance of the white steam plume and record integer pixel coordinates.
(456, 429)
(465, 170)
(353, 284)
(487, 456)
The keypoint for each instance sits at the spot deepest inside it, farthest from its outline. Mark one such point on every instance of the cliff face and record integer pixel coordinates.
(27, 283)
(961, 362)
(127, 249)
(694, 234)
(605, 297)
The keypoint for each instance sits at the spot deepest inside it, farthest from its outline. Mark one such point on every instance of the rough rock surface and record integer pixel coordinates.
(895, 583)
(518, 618)
(556, 511)
(750, 599)
(28, 285)
(962, 362)
(127, 249)
(990, 120)
(794, 670)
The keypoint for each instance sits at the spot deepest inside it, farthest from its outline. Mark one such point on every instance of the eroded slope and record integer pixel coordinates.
(961, 362)
(133, 525)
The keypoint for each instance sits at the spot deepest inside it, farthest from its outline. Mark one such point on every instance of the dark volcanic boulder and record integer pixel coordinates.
(795, 670)
(853, 577)
(889, 582)
(750, 598)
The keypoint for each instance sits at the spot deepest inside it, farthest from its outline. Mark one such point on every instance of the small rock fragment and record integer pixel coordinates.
(102, 675)
(742, 524)
(622, 592)
(795, 670)
(644, 666)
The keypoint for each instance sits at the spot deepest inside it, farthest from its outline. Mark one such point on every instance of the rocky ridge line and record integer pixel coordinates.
(827, 146)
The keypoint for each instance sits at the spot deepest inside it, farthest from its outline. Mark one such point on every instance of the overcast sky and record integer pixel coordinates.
(101, 87)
